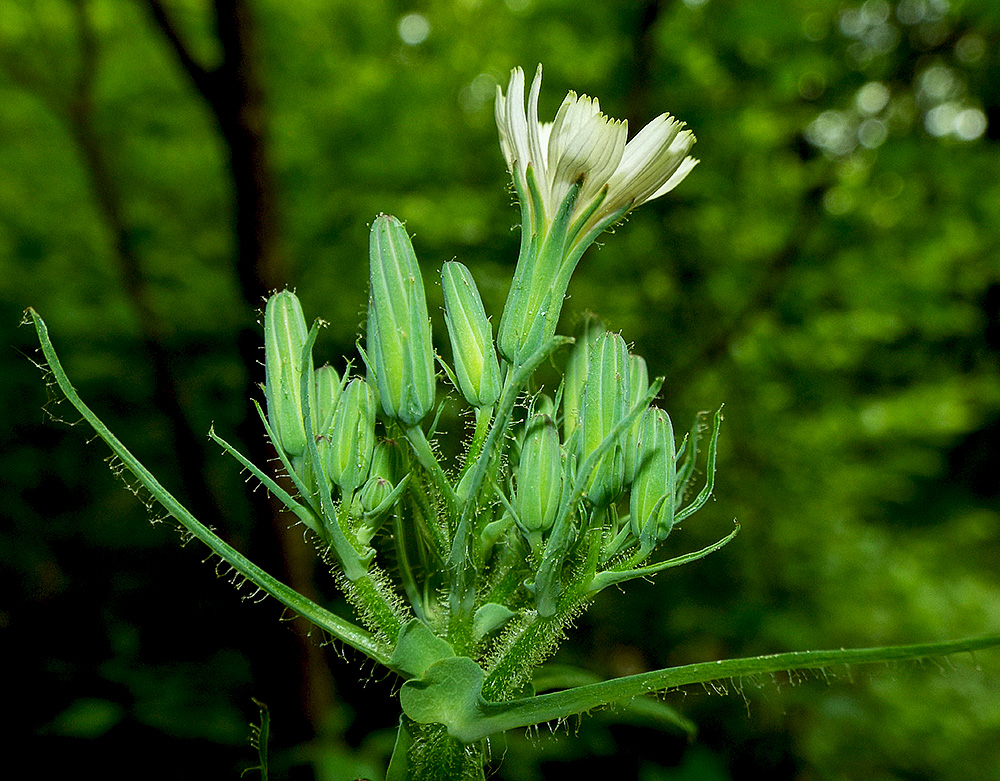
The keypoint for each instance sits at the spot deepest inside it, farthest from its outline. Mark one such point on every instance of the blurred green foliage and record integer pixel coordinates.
(830, 271)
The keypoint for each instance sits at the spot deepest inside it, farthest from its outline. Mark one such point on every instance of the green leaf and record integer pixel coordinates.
(336, 626)
(450, 693)
(641, 709)
(609, 577)
(417, 648)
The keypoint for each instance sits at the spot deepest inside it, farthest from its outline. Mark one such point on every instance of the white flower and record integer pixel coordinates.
(584, 144)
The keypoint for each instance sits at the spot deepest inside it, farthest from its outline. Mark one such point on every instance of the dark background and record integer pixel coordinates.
(829, 271)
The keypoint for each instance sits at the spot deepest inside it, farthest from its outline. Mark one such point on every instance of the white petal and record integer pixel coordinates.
(535, 149)
(639, 172)
(517, 124)
(678, 176)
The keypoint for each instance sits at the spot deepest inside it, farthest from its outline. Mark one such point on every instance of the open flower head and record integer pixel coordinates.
(584, 145)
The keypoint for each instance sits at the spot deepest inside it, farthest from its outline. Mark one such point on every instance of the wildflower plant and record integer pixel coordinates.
(464, 577)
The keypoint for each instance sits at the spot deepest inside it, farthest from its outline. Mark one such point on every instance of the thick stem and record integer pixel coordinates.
(433, 755)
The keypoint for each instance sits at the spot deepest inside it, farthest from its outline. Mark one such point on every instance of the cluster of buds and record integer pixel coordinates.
(556, 498)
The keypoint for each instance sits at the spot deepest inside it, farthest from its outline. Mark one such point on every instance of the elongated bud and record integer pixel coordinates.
(576, 377)
(471, 336)
(652, 503)
(352, 437)
(539, 476)
(399, 332)
(603, 402)
(328, 387)
(285, 333)
(638, 378)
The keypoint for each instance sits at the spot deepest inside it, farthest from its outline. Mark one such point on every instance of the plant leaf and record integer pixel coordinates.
(336, 626)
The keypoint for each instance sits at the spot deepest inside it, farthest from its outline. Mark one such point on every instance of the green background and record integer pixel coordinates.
(829, 271)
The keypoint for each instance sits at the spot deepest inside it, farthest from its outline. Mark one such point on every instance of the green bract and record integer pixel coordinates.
(399, 331)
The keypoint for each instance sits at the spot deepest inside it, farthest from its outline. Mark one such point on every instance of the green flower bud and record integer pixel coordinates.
(285, 333)
(387, 461)
(604, 399)
(352, 438)
(652, 502)
(471, 336)
(539, 476)
(576, 377)
(328, 387)
(375, 491)
(638, 376)
(399, 331)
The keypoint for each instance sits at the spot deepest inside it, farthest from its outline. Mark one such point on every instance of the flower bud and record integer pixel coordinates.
(638, 376)
(399, 332)
(654, 490)
(576, 377)
(471, 336)
(375, 491)
(328, 387)
(352, 437)
(285, 333)
(603, 405)
(539, 475)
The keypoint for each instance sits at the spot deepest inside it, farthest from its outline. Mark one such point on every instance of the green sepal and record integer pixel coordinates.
(638, 378)
(654, 492)
(605, 397)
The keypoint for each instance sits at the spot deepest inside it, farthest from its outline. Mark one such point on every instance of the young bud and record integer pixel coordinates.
(285, 333)
(576, 377)
(399, 332)
(471, 336)
(539, 475)
(375, 491)
(603, 405)
(654, 490)
(638, 376)
(352, 437)
(328, 387)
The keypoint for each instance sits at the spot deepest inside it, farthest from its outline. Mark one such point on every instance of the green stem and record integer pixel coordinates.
(495, 717)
